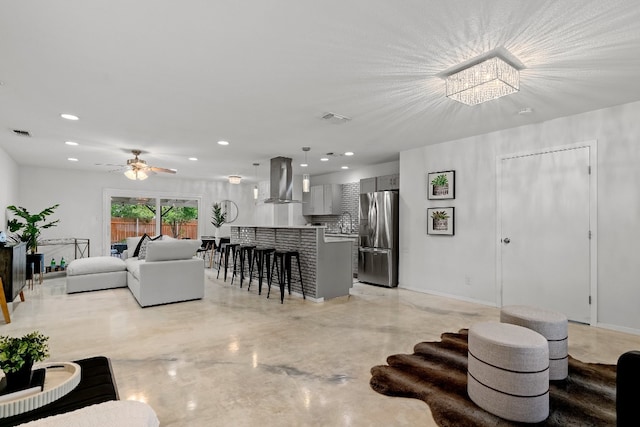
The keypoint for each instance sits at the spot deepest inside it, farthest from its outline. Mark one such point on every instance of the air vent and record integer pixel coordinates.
(22, 132)
(335, 118)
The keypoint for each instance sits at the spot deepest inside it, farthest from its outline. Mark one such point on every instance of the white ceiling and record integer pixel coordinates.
(173, 77)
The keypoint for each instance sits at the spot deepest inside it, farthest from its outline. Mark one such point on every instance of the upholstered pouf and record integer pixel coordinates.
(92, 274)
(551, 325)
(508, 371)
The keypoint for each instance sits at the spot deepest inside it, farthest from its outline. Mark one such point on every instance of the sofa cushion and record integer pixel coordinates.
(142, 253)
(99, 264)
(167, 250)
(143, 239)
(133, 266)
(132, 244)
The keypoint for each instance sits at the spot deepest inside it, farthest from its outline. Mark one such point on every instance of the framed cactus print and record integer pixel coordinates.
(441, 185)
(440, 221)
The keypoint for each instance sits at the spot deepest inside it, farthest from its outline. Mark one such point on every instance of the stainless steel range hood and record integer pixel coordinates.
(281, 183)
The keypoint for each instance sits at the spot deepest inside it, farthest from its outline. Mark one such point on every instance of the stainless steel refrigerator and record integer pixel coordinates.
(378, 251)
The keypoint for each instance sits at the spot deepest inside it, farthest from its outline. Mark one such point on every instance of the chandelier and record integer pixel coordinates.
(235, 179)
(306, 182)
(490, 79)
(256, 192)
(136, 174)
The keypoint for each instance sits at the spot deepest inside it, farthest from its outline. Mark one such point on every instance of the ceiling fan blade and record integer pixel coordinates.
(119, 169)
(155, 169)
(111, 164)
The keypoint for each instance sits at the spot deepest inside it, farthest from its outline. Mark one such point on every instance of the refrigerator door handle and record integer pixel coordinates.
(374, 250)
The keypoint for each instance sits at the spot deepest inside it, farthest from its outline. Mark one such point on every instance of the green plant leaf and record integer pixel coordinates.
(218, 216)
(28, 230)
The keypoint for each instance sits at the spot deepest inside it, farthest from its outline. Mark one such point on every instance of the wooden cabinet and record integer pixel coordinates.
(13, 268)
(367, 185)
(380, 183)
(322, 200)
(388, 182)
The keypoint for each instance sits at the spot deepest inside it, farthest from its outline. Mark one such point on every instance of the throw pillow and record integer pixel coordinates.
(142, 254)
(172, 250)
(144, 237)
(132, 244)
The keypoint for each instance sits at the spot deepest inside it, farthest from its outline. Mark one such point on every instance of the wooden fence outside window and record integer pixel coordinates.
(121, 228)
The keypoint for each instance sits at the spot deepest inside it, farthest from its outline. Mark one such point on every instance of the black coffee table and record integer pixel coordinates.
(96, 386)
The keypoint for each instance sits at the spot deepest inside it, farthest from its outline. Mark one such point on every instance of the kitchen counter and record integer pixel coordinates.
(355, 238)
(294, 227)
(326, 261)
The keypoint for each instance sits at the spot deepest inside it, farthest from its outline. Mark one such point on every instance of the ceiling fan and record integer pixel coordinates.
(139, 170)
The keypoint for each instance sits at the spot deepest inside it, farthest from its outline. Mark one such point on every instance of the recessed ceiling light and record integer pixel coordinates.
(223, 142)
(72, 159)
(345, 167)
(349, 153)
(324, 159)
(71, 143)
(193, 159)
(69, 116)
(304, 165)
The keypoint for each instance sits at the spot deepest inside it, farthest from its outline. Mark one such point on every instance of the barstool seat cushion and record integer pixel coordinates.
(551, 325)
(508, 371)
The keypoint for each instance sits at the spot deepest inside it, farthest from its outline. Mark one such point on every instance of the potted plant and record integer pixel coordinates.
(440, 185)
(218, 216)
(17, 356)
(27, 226)
(440, 220)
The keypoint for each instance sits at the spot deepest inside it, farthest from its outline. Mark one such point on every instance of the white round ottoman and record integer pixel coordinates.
(508, 371)
(551, 325)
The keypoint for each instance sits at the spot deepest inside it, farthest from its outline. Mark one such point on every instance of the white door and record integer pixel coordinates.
(545, 231)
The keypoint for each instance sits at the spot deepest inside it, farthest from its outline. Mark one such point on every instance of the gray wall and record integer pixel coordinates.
(81, 198)
(464, 266)
(8, 186)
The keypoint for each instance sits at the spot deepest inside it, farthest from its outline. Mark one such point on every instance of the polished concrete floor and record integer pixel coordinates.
(236, 358)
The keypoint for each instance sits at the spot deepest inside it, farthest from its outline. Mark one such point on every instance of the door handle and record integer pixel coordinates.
(506, 240)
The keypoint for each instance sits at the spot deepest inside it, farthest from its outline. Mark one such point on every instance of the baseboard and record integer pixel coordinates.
(445, 295)
(618, 328)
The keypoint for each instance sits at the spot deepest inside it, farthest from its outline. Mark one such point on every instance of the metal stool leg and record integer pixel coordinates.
(274, 267)
(264, 265)
(253, 260)
(235, 262)
(300, 274)
(222, 249)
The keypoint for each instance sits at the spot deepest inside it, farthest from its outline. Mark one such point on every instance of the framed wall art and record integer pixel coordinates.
(441, 185)
(440, 221)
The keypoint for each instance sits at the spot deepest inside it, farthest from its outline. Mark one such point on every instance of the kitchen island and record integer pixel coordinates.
(326, 262)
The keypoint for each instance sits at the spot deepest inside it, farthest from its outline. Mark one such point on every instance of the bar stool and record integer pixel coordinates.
(225, 250)
(279, 264)
(261, 256)
(244, 253)
(290, 255)
(282, 263)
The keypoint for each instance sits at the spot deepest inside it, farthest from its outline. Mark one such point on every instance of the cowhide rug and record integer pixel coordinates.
(437, 373)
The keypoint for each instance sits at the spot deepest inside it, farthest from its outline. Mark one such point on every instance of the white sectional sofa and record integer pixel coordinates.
(169, 272)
